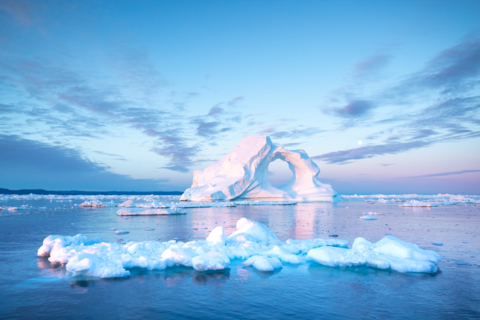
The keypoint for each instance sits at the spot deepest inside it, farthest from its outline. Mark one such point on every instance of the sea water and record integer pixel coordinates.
(32, 287)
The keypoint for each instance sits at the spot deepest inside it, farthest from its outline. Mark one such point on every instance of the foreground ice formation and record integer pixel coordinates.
(388, 253)
(243, 174)
(253, 242)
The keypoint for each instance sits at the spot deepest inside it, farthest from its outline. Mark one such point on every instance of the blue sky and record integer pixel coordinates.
(135, 95)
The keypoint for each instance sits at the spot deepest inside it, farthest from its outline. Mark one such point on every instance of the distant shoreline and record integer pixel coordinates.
(77, 192)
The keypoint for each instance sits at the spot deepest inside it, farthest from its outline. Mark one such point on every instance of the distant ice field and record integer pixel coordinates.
(33, 203)
(309, 286)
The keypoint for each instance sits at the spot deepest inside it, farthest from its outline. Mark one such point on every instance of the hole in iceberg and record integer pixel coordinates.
(279, 173)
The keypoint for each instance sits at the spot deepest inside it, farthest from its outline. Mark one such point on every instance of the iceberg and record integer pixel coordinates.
(243, 174)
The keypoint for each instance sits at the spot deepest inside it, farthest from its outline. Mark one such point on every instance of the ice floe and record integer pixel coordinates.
(150, 212)
(92, 204)
(252, 242)
(415, 203)
(368, 217)
(388, 253)
(433, 200)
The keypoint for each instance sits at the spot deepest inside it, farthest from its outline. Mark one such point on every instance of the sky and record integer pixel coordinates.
(136, 95)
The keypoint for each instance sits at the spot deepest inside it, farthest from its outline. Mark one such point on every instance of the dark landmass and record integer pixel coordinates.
(76, 192)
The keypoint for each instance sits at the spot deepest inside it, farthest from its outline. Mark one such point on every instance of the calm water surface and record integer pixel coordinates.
(32, 288)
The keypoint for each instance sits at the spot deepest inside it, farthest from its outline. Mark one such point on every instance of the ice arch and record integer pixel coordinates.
(279, 173)
(243, 174)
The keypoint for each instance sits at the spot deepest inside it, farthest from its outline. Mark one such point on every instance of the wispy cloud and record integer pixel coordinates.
(441, 174)
(447, 87)
(353, 109)
(348, 156)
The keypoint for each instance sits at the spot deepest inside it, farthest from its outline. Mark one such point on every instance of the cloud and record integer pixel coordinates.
(441, 174)
(371, 65)
(33, 164)
(346, 156)
(354, 109)
(455, 68)
(215, 111)
(296, 133)
(441, 98)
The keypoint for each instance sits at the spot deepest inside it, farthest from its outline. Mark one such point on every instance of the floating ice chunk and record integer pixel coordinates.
(415, 203)
(149, 229)
(437, 243)
(121, 232)
(460, 263)
(217, 235)
(211, 261)
(12, 208)
(372, 213)
(126, 204)
(388, 253)
(54, 242)
(113, 229)
(368, 217)
(152, 205)
(262, 263)
(266, 203)
(92, 204)
(150, 212)
(256, 229)
(255, 243)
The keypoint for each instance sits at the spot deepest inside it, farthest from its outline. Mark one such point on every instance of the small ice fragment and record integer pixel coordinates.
(121, 232)
(333, 235)
(368, 217)
(113, 229)
(461, 263)
(149, 229)
(437, 243)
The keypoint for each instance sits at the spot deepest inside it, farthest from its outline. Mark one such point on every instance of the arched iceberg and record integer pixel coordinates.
(243, 174)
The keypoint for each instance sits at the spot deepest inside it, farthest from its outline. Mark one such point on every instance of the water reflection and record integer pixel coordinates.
(217, 278)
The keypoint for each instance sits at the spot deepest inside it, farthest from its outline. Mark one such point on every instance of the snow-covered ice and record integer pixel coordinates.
(252, 242)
